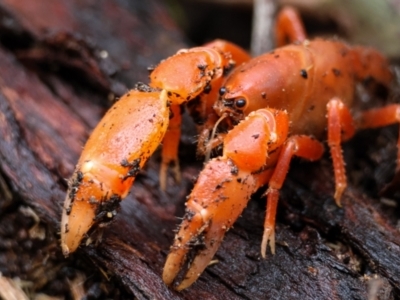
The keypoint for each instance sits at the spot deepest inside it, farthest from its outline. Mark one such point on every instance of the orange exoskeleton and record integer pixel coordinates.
(275, 106)
(284, 102)
(135, 126)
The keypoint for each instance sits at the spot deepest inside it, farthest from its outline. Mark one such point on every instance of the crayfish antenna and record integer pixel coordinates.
(213, 133)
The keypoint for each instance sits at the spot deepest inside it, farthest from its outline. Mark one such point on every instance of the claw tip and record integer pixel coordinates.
(268, 237)
(65, 250)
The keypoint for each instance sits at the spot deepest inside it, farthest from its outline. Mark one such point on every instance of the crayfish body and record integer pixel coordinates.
(276, 106)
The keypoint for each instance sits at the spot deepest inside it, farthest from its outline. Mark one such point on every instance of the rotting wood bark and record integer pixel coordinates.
(323, 251)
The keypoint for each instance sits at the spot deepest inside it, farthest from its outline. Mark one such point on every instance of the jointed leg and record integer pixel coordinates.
(368, 64)
(380, 117)
(289, 27)
(301, 146)
(340, 128)
(169, 154)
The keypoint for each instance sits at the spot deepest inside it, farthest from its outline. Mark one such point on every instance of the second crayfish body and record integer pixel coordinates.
(274, 107)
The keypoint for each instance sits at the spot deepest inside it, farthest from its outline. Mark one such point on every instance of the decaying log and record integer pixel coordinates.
(60, 62)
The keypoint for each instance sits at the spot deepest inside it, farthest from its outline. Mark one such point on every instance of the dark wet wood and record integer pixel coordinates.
(54, 85)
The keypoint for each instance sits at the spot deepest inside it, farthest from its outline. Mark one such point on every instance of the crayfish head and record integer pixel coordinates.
(233, 106)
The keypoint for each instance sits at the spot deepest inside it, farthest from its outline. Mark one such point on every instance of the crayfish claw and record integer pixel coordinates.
(115, 153)
(181, 246)
(215, 203)
(200, 262)
(195, 245)
(75, 225)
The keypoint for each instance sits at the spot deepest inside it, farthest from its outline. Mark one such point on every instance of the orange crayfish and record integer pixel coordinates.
(274, 107)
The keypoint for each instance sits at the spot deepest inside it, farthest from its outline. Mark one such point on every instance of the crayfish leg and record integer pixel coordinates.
(340, 128)
(369, 63)
(169, 153)
(380, 117)
(289, 27)
(298, 145)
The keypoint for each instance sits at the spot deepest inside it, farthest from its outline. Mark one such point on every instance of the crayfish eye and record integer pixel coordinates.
(240, 103)
(222, 91)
